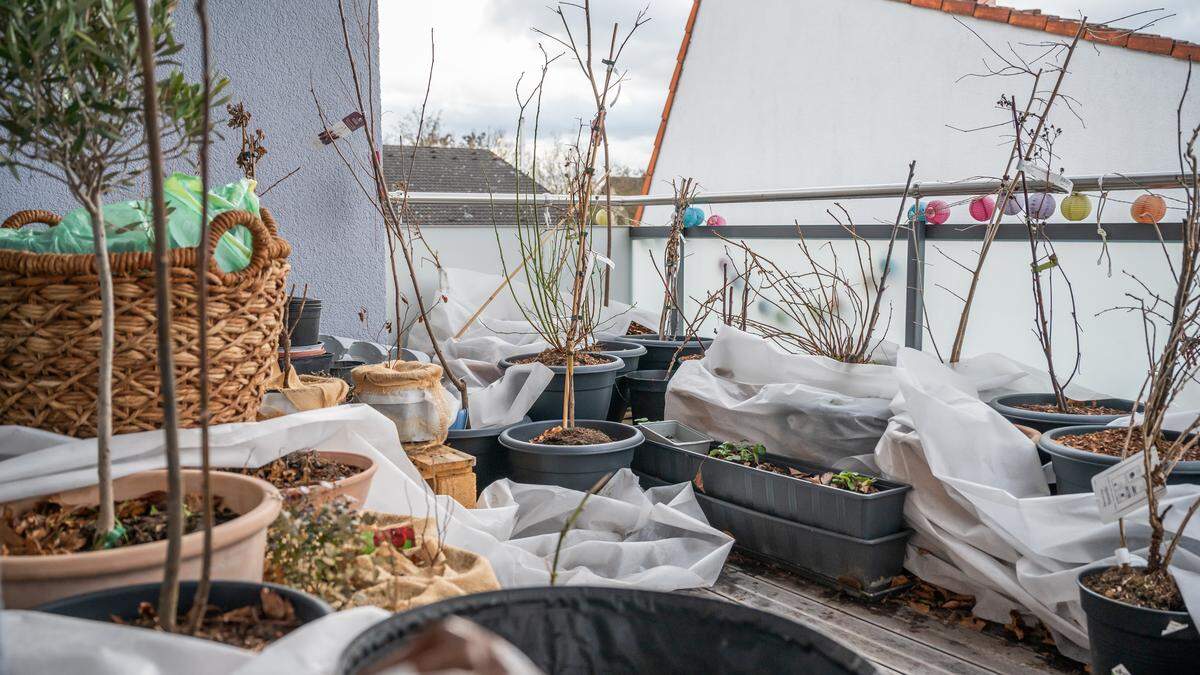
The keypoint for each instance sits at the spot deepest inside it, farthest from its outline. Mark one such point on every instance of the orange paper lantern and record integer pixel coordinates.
(1148, 209)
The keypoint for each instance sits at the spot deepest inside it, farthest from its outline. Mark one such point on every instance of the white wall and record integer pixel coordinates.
(805, 93)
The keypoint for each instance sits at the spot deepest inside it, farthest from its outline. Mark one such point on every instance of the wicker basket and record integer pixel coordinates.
(50, 332)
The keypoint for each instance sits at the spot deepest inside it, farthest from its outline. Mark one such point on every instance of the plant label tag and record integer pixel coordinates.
(1121, 489)
(1174, 626)
(1120, 669)
(1056, 179)
(349, 124)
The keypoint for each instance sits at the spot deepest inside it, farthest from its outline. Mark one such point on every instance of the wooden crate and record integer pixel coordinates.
(448, 471)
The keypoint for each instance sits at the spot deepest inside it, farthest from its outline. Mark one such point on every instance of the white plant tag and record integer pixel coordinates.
(348, 125)
(1121, 489)
(607, 262)
(1056, 179)
(1174, 626)
(1120, 669)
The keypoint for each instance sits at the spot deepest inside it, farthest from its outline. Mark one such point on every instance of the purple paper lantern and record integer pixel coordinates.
(1011, 206)
(716, 221)
(1041, 205)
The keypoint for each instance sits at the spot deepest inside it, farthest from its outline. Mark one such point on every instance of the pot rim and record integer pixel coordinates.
(652, 339)
(115, 560)
(84, 598)
(627, 348)
(999, 403)
(616, 364)
(1049, 444)
(514, 444)
(368, 465)
(644, 375)
(1093, 569)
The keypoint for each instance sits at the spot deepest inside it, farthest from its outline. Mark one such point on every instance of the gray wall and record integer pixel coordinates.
(271, 52)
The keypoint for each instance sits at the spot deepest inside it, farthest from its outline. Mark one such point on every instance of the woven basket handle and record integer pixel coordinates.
(260, 240)
(22, 218)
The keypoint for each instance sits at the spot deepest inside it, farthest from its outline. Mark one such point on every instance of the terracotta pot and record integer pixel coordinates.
(355, 487)
(1032, 433)
(238, 545)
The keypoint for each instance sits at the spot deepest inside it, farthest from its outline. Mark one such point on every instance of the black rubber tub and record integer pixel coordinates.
(304, 320)
(580, 629)
(647, 391)
(491, 458)
(593, 390)
(1073, 468)
(631, 354)
(1124, 634)
(1006, 406)
(122, 602)
(660, 352)
(578, 467)
(864, 566)
(867, 516)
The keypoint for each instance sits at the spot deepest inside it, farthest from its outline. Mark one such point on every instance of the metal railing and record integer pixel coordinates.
(917, 235)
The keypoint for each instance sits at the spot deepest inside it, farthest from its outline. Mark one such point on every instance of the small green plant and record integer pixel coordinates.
(745, 453)
(313, 548)
(854, 482)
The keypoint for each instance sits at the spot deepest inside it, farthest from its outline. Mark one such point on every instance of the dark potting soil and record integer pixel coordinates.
(865, 485)
(52, 528)
(636, 328)
(300, 469)
(554, 357)
(252, 627)
(1073, 408)
(1136, 586)
(1111, 442)
(572, 436)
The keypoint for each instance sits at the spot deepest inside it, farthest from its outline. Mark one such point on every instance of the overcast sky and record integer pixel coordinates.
(484, 45)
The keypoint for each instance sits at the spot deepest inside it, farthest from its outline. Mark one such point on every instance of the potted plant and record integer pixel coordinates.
(318, 476)
(577, 446)
(1136, 617)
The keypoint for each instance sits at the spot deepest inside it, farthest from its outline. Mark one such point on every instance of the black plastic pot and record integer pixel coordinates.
(578, 467)
(867, 516)
(1074, 468)
(865, 566)
(593, 390)
(342, 369)
(647, 390)
(491, 458)
(660, 352)
(304, 321)
(631, 354)
(1124, 634)
(122, 602)
(311, 365)
(577, 629)
(1006, 406)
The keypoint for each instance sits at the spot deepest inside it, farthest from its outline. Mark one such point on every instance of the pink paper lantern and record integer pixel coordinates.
(937, 212)
(716, 221)
(982, 208)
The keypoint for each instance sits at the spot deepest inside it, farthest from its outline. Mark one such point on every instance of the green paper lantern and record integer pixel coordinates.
(1076, 207)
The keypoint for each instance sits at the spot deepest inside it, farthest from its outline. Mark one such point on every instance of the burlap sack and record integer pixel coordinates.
(291, 393)
(426, 573)
(410, 394)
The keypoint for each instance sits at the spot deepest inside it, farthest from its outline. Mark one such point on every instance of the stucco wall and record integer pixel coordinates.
(271, 52)
(807, 93)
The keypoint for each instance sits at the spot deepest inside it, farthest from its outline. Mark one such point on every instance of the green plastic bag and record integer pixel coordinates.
(129, 227)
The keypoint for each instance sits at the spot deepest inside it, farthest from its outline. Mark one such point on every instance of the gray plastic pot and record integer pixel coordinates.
(491, 458)
(660, 352)
(631, 353)
(122, 602)
(1074, 468)
(867, 516)
(647, 390)
(578, 467)
(593, 389)
(1006, 406)
(1124, 634)
(580, 629)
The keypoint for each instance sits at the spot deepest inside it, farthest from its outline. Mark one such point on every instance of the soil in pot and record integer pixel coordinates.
(1137, 622)
(1111, 442)
(250, 627)
(555, 357)
(1136, 586)
(317, 476)
(1073, 408)
(54, 528)
(636, 328)
(571, 436)
(750, 455)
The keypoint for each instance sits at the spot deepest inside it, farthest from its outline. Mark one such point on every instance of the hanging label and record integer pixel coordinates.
(1121, 489)
(349, 124)
(1037, 173)
(607, 262)
(1174, 626)
(1120, 669)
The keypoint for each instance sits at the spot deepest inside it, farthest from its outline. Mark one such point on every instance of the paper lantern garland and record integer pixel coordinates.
(1011, 206)
(937, 212)
(716, 221)
(982, 208)
(1075, 207)
(692, 217)
(916, 213)
(1148, 209)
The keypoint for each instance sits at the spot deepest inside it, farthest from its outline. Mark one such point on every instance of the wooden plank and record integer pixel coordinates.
(883, 647)
(987, 651)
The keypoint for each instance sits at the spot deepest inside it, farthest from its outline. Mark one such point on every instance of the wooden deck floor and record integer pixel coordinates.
(895, 637)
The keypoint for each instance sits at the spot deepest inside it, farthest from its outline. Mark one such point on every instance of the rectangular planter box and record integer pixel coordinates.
(867, 516)
(863, 565)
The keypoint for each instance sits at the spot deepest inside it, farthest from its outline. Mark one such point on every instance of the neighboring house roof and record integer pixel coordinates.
(1022, 18)
(457, 170)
